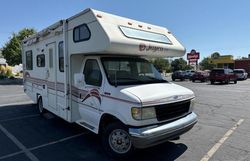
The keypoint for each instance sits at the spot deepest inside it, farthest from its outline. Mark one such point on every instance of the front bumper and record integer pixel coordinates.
(153, 135)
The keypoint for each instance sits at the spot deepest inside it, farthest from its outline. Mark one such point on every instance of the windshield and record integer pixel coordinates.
(238, 71)
(129, 71)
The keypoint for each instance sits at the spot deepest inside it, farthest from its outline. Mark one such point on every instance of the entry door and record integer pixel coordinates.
(51, 76)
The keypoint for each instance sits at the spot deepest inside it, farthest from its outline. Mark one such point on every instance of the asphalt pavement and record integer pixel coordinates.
(221, 134)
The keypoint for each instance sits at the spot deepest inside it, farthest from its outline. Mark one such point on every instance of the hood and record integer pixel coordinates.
(160, 93)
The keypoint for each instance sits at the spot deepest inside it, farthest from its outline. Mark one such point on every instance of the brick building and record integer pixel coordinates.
(243, 64)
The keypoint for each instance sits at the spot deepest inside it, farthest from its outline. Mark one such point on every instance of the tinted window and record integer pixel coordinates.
(81, 33)
(220, 71)
(40, 60)
(29, 60)
(51, 58)
(61, 56)
(92, 73)
(238, 71)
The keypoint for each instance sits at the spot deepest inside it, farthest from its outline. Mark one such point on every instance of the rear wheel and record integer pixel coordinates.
(40, 105)
(212, 82)
(235, 81)
(227, 81)
(173, 79)
(116, 140)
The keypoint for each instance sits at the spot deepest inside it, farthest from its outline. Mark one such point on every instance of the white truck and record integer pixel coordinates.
(92, 69)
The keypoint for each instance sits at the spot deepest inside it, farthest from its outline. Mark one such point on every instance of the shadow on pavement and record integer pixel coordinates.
(14, 81)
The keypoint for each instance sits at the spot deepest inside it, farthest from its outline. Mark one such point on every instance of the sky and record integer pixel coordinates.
(207, 26)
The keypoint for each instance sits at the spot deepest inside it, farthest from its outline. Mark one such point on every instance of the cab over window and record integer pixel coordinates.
(92, 73)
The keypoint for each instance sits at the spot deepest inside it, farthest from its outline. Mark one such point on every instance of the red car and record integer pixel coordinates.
(223, 76)
(200, 75)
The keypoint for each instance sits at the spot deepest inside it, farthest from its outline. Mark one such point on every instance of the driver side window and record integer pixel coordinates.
(92, 73)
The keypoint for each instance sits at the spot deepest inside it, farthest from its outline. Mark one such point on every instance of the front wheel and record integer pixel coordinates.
(116, 140)
(40, 105)
(235, 81)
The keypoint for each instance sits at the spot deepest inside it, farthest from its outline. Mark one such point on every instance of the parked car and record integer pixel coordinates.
(189, 74)
(179, 75)
(200, 75)
(241, 74)
(223, 76)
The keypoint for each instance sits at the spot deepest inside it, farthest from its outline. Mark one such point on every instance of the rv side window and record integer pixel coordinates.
(40, 60)
(81, 33)
(61, 56)
(92, 73)
(144, 35)
(29, 60)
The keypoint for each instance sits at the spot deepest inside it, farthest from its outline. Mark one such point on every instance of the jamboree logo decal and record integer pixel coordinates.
(144, 47)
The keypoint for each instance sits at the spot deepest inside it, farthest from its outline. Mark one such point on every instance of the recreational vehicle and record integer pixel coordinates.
(92, 69)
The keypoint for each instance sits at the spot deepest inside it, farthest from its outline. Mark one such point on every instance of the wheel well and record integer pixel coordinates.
(107, 119)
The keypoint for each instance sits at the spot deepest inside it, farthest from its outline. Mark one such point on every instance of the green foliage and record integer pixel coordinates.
(12, 49)
(161, 64)
(215, 55)
(180, 64)
(206, 63)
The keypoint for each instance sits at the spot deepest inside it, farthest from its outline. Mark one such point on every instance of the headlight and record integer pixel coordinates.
(191, 105)
(143, 113)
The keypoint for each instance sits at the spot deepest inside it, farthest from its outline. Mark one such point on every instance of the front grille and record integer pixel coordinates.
(171, 111)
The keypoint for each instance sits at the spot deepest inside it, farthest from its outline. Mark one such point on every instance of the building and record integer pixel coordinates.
(224, 61)
(243, 64)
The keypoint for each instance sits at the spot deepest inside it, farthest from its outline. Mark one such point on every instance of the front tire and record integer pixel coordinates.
(235, 81)
(116, 140)
(40, 105)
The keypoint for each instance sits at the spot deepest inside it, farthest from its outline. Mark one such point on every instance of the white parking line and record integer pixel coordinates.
(43, 145)
(16, 103)
(19, 144)
(58, 141)
(212, 151)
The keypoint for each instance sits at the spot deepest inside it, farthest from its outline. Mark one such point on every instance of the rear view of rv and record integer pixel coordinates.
(92, 69)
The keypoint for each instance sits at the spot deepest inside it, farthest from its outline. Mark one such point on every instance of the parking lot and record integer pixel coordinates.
(221, 134)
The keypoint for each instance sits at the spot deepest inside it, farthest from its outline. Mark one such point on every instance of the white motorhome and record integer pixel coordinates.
(92, 69)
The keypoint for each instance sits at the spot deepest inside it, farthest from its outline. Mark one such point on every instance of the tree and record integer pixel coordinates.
(180, 64)
(12, 49)
(215, 55)
(206, 63)
(161, 64)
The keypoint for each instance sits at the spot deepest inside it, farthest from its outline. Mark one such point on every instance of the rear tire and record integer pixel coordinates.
(227, 81)
(235, 81)
(40, 105)
(116, 140)
(212, 82)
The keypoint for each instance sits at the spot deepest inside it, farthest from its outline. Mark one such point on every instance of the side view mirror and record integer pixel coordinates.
(79, 80)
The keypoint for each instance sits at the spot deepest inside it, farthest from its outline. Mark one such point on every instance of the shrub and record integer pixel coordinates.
(2, 70)
(9, 71)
